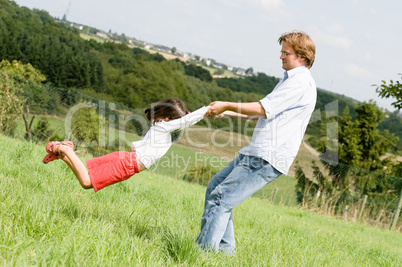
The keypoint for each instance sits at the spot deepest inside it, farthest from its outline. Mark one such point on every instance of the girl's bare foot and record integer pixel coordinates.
(57, 150)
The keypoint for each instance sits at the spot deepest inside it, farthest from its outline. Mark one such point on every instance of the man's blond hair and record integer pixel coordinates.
(301, 44)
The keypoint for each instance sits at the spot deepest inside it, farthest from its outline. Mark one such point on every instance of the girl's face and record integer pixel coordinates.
(162, 119)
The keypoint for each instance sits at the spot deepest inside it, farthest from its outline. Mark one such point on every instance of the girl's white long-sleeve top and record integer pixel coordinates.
(158, 139)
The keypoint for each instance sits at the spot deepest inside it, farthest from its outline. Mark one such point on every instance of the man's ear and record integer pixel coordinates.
(302, 60)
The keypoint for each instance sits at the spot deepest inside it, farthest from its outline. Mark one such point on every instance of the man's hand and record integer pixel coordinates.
(216, 108)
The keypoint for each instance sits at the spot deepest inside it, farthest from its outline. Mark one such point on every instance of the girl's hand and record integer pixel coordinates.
(216, 108)
(221, 115)
(211, 113)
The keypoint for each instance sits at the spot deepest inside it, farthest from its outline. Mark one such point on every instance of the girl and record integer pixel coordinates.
(166, 117)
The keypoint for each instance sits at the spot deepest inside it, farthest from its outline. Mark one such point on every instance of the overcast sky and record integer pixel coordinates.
(358, 42)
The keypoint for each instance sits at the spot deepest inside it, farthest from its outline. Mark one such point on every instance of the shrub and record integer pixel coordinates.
(200, 174)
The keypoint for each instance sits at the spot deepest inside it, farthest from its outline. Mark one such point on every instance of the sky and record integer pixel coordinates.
(358, 43)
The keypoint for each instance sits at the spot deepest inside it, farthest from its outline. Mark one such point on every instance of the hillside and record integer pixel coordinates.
(47, 219)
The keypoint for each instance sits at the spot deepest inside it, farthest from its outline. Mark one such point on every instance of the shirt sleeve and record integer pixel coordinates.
(184, 122)
(283, 98)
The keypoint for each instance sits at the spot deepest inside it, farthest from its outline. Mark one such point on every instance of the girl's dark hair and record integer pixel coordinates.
(172, 108)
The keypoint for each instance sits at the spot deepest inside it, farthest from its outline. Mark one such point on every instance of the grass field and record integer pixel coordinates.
(92, 37)
(152, 219)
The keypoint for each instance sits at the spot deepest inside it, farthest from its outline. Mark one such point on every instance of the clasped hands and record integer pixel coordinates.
(216, 109)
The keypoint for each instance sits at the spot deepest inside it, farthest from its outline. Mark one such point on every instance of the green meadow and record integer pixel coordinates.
(152, 219)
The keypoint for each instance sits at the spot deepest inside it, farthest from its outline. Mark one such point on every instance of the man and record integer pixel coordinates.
(283, 118)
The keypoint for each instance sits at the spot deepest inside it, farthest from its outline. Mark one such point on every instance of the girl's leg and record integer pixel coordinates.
(68, 155)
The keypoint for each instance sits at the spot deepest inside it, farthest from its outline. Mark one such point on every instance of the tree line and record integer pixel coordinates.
(34, 37)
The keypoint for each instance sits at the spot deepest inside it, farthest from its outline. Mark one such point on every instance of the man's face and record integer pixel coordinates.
(289, 58)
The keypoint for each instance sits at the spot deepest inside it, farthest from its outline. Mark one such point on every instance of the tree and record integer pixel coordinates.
(360, 142)
(10, 103)
(25, 71)
(359, 146)
(373, 143)
(219, 72)
(353, 163)
(41, 131)
(391, 90)
(173, 50)
(350, 151)
(25, 79)
(88, 128)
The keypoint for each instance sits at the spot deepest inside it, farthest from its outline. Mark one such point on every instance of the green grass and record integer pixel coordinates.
(92, 37)
(47, 219)
(226, 73)
(281, 191)
(56, 126)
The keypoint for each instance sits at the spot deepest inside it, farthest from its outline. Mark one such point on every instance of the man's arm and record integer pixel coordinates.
(254, 109)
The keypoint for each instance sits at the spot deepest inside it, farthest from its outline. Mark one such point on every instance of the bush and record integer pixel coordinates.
(10, 104)
(42, 132)
(200, 174)
(88, 128)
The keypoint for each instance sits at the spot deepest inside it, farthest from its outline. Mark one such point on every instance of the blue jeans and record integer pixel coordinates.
(239, 180)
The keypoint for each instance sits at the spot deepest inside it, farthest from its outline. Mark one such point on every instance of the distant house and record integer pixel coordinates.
(136, 42)
(207, 61)
(255, 73)
(102, 35)
(193, 57)
(132, 42)
(162, 48)
(182, 54)
(241, 72)
(78, 26)
(229, 67)
(219, 65)
(142, 42)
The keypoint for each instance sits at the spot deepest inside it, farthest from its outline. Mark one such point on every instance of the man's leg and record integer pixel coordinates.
(246, 178)
(221, 176)
(228, 242)
(228, 239)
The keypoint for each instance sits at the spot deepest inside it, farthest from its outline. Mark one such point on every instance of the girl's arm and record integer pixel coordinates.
(236, 115)
(249, 109)
(184, 122)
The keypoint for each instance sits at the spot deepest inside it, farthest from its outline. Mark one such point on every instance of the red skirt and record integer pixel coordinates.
(112, 168)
